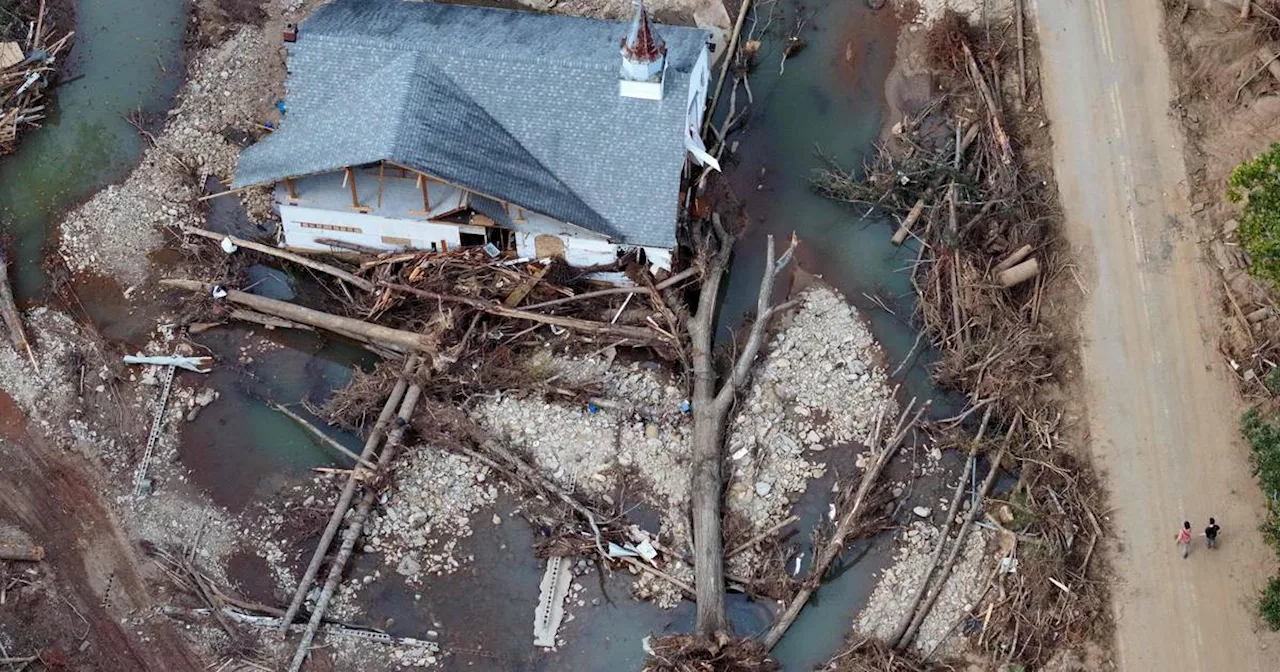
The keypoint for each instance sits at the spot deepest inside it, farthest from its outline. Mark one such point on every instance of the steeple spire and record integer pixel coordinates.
(644, 57)
(641, 45)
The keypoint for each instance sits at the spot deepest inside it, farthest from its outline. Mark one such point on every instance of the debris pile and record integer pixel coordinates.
(29, 59)
(989, 252)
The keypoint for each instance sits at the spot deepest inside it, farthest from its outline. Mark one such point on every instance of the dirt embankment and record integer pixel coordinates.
(1228, 105)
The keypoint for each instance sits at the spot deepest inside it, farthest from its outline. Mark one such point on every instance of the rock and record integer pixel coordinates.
(1229, 227)
(650, 431)
(497, 520)
(922, 511)
(1005, 514)
(1198, 207)
(763, 488)
(802, 411)
(813, 436)
(408, 566)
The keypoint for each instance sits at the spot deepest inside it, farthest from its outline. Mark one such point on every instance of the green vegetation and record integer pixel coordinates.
(1257, 184)
(1269, 604)
(1263, 434)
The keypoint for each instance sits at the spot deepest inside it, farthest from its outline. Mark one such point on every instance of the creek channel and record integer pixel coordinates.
(831, 97)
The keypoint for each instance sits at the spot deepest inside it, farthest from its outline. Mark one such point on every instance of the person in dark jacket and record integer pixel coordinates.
(1211, 533)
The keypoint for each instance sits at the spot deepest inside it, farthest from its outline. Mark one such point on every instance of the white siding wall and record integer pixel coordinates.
(302, 226)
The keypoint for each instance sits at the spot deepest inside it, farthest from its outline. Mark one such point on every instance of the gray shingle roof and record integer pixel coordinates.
(520, 106)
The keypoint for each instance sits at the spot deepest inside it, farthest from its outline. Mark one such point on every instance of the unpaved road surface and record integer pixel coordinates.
(1162, 408)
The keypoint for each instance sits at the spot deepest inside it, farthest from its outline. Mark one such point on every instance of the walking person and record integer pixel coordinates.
(1211, 533)
(1184, 538)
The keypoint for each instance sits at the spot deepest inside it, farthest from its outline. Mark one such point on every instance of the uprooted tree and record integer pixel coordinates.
(713, 397)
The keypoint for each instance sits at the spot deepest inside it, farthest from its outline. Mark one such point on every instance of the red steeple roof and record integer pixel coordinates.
(641, 44)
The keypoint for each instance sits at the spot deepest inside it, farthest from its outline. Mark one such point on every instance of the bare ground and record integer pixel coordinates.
(1162, 406)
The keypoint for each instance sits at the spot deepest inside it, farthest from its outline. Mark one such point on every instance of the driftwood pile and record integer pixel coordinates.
(989, 253)
(449, 324)
(28, 66)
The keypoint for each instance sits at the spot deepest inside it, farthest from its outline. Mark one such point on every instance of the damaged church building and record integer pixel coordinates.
(416, 125)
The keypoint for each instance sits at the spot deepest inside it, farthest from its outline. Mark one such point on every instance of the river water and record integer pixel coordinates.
(831, 97)
(127, 56)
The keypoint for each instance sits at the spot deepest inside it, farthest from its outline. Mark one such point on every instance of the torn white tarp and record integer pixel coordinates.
(693, 143)
(228, 246)
(197, 364)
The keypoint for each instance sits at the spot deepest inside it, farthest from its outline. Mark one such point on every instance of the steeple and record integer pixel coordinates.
(644, 56)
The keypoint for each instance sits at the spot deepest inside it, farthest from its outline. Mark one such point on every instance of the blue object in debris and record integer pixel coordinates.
(684, 406)
(592, 409)
(281, 107)
(271, 125)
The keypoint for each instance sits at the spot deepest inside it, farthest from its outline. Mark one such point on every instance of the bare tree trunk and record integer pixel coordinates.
(284, 254)
(393, 338)
(848, 521)
(348, 493)
(969, 466)
(710, 414)
(923, 612)
(356, 525)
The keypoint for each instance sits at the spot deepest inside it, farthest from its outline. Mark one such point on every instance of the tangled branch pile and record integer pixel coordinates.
(989, 251)
(28, 66)
(692, 653)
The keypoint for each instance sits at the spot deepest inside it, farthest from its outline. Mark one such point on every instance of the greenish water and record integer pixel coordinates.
(127, 56)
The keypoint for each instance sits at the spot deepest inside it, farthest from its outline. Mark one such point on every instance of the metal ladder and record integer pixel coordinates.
(141, 477)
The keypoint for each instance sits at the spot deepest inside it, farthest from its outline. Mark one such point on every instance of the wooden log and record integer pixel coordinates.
(724, 68)
(21, 552)
(678, 277)
(321, 436)
(956, 549)
(849, 519)
(1019, 273)
(639, 334)
(267, 320)
(356, 526)
(348, 493)
(904, 230)
(12, 318)
(1022, 54)
(1017, 256)
(1258, 315)
(992, 105)
(907, 615)
(393, 338)
(283, 254)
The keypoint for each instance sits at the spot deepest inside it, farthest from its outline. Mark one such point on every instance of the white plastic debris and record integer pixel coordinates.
(228, 246)
(218, 292)
(197, 364)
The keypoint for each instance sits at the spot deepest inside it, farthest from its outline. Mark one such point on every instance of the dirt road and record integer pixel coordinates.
(1163, 410)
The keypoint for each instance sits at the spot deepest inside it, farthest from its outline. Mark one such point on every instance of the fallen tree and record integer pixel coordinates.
(713, 397)
(393, 338)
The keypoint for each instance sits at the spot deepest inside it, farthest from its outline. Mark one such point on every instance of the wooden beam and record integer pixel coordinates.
(282, 254)
(293, 188)
(426, 199)
(381, 165)
(351, 182)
